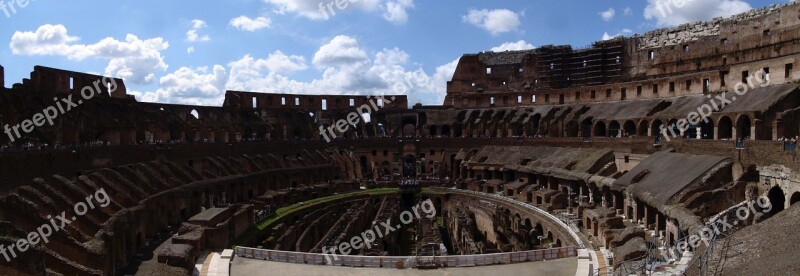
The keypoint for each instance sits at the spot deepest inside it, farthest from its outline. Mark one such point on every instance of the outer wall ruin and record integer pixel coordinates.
(566, 130)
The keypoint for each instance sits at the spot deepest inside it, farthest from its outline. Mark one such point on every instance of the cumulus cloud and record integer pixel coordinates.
(513, 46)
(346, 69)
(192, 34)
(192, 86)
(342, 50)
(133, 59)
(275, 62)
(495, 21)
(250, 24)
(671, 13)
(608, 15)
(395, 10)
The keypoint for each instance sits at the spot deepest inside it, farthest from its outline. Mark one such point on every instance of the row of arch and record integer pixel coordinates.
(721, 128)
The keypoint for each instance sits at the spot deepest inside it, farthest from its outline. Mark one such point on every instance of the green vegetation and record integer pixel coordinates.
(283, 212)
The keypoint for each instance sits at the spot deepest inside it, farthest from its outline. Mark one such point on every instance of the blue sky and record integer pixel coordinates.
(176, 52)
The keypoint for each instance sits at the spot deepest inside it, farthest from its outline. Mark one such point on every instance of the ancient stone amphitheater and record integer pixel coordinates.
(637, 155)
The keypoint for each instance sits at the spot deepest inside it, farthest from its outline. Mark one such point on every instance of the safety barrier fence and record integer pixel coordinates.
(406, 261)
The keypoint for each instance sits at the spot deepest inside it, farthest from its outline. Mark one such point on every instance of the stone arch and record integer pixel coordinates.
(777, 198)
(445, 131)
(573, 129)
(655, 127)
(707, 129)
(600, 129)
(195, 114)
(536, 121)
(586, 127)
(614, 129)
(432, 131)
(629, 128)
(794, 198)
(743, 127)
(644, 125)
(672, 128)
(724, 128)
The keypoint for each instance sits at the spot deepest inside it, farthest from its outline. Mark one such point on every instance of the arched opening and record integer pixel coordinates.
(777, 200)
(445, 131)
(535, 124)
(432, 131)
(195, 114)
(655, 128)
(364, 165)
(691, 131)
(409, 166)
(409, 127)
(795, 198)
(707, 129)
(600, 129)
(614, 129)
(629, 129)
(644, 125)
(743, 125)
(725, 128)
(586, 127)
(409, 130)
(672, 129)
(572, 129)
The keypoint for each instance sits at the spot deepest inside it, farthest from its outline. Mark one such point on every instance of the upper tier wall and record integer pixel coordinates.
(693, 58)
(313, 102)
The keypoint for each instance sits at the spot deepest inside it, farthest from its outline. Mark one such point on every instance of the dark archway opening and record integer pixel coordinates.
(777, 200)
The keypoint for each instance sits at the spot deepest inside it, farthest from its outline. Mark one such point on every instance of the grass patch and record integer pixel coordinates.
(285, 211)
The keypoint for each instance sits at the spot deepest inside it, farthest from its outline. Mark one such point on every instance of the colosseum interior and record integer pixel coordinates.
(614, 157)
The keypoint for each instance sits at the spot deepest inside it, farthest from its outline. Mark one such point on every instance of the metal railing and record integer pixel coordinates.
(403, 262)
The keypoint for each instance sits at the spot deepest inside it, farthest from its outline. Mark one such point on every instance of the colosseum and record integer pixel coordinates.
(672, 152)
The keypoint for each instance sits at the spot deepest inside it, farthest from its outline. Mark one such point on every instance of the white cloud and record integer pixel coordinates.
(513, 46)
(194, 86)
(250, 24)
(190, 50)
(319, 10)
(671, 13)
(395, 10)
(276, 62)
(495, 21)
(134, 60)
(350, 71)
(342, 50)
(192, 34)
(608, 15)
(606, 36)
(627, 11)
(625, 31)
